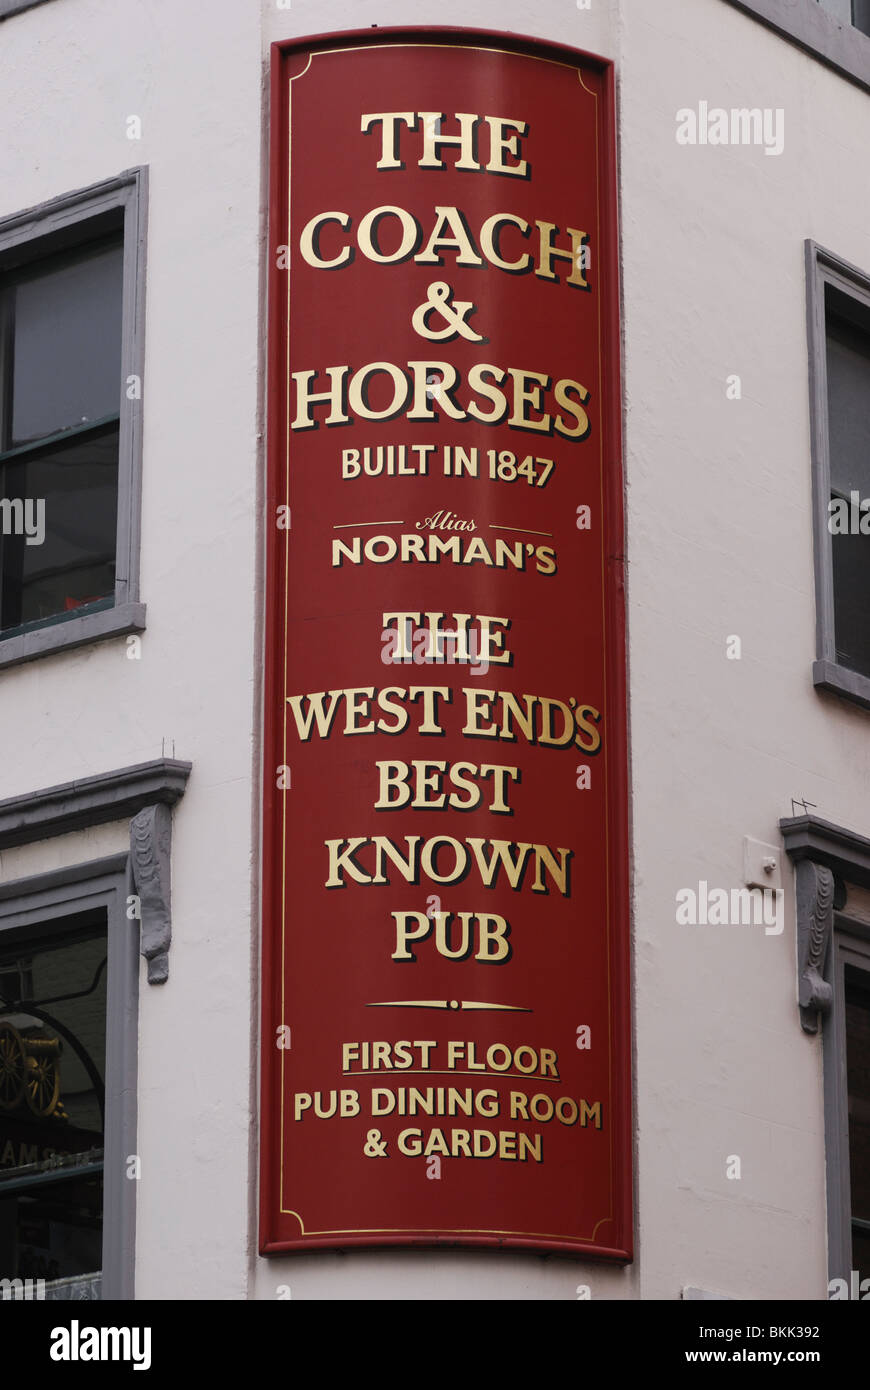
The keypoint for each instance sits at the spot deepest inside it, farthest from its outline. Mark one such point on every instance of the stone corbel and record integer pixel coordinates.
(145, 791)
(815, 921)
(150, 852)
(828, 858)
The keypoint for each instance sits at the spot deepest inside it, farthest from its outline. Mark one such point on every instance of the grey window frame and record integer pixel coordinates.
(828, 860)
(147, 792)
(805, 23)
(45, 900)
(10, 7)
(65, 221)
(850, 946)
(824, 268)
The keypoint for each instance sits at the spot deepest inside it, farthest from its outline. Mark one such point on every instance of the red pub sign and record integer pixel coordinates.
(445, 970)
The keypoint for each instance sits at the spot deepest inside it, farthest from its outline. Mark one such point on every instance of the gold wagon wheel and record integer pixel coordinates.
(13, 1067)
(43, 1074)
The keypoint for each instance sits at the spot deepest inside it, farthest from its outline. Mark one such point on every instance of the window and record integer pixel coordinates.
(837, 32)
(52, 1101)
(832, 865)
(857, 1020)
(70, 389)
(847, 1099)
(861, 15)
(59, 434)
(838, 299)
(68, 992)
(856, 12)
(847, 351)
(69, 980)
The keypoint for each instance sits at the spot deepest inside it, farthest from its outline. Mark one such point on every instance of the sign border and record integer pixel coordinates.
(615, 656)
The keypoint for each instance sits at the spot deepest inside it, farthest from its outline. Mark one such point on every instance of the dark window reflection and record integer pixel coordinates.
(66, 368)
(60, 400)
(77, 480)
(851, 566)
(861, 15)
(858, 1085)
(52, 1098)
(848, 367)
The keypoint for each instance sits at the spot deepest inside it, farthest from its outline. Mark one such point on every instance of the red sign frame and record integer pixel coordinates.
(329, 953)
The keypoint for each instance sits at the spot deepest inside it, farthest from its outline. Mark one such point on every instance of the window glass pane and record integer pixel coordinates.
(52, 1099)
(851, 566)
(67, 343)
(848, 364)
(858, 1083)
(75, 563)
(861, 1253)
(848, 353)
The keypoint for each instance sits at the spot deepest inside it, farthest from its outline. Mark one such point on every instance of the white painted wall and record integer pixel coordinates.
(719, 543)
(73, 70)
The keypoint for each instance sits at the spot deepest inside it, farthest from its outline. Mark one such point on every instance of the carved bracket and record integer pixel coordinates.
(150, 846)
(815, 919)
